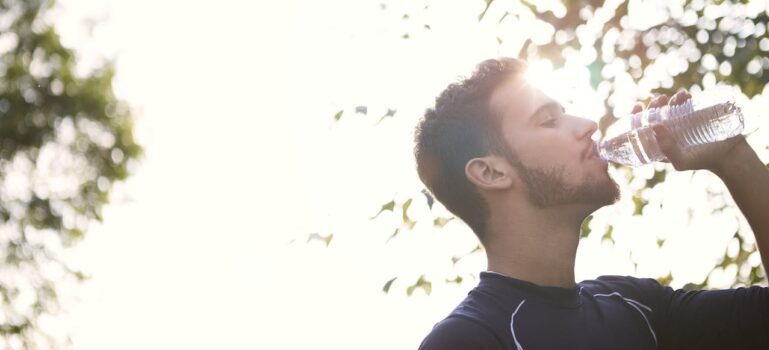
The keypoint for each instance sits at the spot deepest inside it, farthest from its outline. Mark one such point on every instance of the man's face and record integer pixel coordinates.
(556, 158)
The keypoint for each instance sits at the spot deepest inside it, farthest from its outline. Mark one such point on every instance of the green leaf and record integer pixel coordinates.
(318, 237)
(639, 203)
(405, 207)
(607, 234)
(584, 229)
(695, 286)
(503, 18)
(338, 115)
(388, 114)
(73, 236)
(458, 280)
(483, 14)
(389, 284)
(429, 197)
(389, 206)
(395, 233)
(665, 280)
(657, 178)
(455, 259)
(422, 283)
(439, 222)
(406, 219)
(80, 276)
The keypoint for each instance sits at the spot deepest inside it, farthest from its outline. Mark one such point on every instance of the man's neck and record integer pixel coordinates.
(538, 246)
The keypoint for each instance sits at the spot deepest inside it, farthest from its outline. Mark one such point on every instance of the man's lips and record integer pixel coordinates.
(590, 151)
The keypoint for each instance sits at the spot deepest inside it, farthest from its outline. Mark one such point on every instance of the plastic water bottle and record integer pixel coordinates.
(688, 125)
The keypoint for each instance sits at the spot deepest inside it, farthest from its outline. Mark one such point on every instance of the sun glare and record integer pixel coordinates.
(569, 85)
(541, 74)
(539, 71)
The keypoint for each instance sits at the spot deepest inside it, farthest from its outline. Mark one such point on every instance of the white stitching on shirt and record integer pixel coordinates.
(647, 322)
(626, 299)
(635, 305)
(512, 319)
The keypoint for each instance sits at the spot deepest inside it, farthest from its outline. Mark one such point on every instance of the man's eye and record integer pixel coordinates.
(549, 121)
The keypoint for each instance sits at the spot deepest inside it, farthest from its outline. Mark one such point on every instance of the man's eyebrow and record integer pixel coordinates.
(551, 104)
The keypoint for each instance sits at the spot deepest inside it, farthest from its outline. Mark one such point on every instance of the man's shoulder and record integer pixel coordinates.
(616, 283)
(460, 332)
(480, 321)
(647, 290)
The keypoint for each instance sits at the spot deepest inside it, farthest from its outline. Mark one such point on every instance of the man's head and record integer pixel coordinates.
(493, 135)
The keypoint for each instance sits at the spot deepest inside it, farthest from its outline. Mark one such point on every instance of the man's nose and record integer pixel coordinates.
(584, 128)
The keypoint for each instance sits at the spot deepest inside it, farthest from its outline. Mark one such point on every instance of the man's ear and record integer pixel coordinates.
(489, 173)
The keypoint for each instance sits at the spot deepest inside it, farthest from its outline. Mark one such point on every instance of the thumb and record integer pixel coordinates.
(667, 143)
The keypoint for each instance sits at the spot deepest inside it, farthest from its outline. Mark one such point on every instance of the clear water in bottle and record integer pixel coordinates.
(689, 127)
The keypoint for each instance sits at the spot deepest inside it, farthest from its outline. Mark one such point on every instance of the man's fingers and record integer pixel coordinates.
(667, 144)
(658, 101)
(637, 108)
(680, 97)
(672, 152)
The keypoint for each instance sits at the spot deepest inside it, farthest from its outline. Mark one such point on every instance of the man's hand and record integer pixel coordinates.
(732, 160)
(715, 156)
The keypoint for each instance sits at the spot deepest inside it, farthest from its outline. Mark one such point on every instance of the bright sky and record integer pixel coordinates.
(234, 101)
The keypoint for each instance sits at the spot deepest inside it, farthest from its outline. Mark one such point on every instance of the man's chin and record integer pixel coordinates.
(615, 192)
(605, 193)
(546, 188)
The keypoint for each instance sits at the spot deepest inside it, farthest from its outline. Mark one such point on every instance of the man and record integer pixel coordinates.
(508, 161)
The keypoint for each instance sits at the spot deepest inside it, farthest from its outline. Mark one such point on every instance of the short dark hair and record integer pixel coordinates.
(461, 127)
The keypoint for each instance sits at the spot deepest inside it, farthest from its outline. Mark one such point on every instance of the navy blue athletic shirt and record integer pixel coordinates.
(612, 312)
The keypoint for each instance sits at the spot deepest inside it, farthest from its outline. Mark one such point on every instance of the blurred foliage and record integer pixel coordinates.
(64, 140)
(421, 283)
(688, 44)
(696, 41)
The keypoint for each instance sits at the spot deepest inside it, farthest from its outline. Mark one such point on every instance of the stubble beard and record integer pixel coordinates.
(547, 188)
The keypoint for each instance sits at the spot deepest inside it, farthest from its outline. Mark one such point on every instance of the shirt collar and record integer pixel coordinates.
(561, 297)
